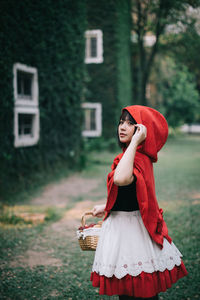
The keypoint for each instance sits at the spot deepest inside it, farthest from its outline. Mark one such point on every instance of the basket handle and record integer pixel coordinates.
(83, 217)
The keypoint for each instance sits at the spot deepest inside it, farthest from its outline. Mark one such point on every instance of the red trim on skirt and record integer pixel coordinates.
(144, 285)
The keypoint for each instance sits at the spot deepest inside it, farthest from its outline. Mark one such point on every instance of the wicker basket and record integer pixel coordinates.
(88, 242)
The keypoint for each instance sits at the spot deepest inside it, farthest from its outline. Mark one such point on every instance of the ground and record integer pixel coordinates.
(60, 195)
(43, 260)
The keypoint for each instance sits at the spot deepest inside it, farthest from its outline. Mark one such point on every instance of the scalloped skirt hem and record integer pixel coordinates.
(145, 285)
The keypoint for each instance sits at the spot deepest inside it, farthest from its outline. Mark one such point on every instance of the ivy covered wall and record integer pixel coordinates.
(110, 82)
(47, 35)
(123, 33)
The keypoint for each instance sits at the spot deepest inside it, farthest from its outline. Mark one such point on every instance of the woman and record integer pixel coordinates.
(135, 257)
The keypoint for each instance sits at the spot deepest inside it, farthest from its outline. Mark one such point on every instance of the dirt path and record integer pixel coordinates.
(60, 194)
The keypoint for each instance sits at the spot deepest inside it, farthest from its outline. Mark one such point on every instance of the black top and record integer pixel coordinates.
(126, 198)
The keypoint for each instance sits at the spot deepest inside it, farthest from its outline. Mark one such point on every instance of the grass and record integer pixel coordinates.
(178, 192)
(21, 215)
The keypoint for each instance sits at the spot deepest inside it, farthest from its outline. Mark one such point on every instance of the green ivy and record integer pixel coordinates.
(48, 35)
(110, 82)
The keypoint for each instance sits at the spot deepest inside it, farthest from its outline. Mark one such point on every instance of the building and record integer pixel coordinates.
(65, 74)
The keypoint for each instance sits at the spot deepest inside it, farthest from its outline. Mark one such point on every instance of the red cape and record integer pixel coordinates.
(146, 154)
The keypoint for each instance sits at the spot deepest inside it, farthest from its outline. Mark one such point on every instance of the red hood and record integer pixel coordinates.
(157, 129)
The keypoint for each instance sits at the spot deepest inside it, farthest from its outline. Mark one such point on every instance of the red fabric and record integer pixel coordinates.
(145, 285)
(146, 154)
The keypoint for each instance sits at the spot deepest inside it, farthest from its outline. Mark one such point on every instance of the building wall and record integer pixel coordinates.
(49, 36)
(109, 82)
(123, 32)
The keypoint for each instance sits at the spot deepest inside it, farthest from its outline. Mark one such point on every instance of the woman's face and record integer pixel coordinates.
(126, 129)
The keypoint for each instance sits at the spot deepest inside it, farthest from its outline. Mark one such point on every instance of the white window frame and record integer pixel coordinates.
(34, 86)
(99, 36)
(98, 119)
(26, 140)
(26, 106)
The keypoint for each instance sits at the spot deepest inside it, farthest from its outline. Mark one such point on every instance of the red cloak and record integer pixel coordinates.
(146, 155)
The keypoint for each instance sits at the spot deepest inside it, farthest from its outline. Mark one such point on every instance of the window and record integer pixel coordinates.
(24, 85)
(26, 126)
(94, 47)
(26, 111)
(92, 119)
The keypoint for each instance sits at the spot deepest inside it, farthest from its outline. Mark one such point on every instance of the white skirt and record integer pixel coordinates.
(125, 247)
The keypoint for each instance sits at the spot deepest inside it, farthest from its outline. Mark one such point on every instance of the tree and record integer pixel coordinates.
(184, 47)
(180, 98)
(151, 17)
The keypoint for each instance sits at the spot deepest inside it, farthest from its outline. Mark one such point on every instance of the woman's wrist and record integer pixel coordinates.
(133, 143)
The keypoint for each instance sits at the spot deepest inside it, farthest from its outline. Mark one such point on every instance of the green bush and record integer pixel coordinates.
(100, 143)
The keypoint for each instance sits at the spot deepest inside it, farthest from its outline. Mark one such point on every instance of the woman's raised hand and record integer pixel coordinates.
(98, 210)
(140, 134)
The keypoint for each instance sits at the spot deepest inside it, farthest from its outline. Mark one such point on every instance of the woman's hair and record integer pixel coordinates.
(124, 116)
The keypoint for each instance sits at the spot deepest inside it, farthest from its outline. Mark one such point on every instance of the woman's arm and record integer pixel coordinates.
(124, 171)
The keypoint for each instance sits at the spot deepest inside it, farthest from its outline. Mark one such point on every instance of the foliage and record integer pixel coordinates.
(48, 35)
(180, 98)
(151, 18)
(100, 144)
(178, 46)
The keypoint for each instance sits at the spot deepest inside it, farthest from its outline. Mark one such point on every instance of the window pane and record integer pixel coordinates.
(90, 121)
(25, 124)
(24, 84)
(93, 45)
(87, 120)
